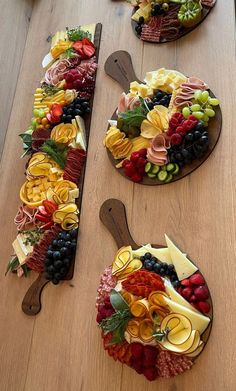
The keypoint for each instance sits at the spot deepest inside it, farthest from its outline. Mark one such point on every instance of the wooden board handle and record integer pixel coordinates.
(31, 304)
(113, 216)
(119, 66)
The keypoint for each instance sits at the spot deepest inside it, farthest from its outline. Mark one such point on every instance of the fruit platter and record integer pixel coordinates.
(154, 307)
(160, 21)
(164, 128)
(55, 144)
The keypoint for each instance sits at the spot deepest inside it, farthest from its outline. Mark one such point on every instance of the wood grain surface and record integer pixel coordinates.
(61, 348)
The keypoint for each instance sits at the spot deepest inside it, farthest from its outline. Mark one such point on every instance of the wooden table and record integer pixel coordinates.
(60, 349)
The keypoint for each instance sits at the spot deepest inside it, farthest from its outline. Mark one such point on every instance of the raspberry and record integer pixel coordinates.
(136, 349)
(201, 293)
(187, 293)
(143, 152)
(69, 86)
(130, 169)
(179, 290)
(137, 365)
(150, 373)
(185, 282)
(141, 162)
(204, 306)
(134, 157)
(136, 178)
(192, 299)
(176, 139)
(126, 161)
(150, 356)
(99, 318)
(141, 171)
(194, 304)
(197, 279)
(179, 129)
(170, 132)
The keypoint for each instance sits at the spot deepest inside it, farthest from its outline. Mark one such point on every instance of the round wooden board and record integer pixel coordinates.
(113, 216)
(214, 130)
(183, 31)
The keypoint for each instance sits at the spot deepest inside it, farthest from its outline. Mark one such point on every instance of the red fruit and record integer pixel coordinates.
(179, 290)
(126, 161)
(204, 306)
(137, 365)
(150, 355)
(192, 299)
(74, 72)
(136, 178)
(109, 312)
(197, 279)
(170, 132)
(201, 293)
(134, 157)
(192, 118)
(56, 110)
(141, 171)
(69, 86)
(176, 139)
(88, 51)
(77, 45)
(102, 311)
(187, 292)
(143, 152)
(69, 77)
(179, 129)
(99, 318)
(130, 169)
(77, 84)
(185, 282)
(141, 162)
(107, 300)
(137, 350)
(194, 304)
(150, 373)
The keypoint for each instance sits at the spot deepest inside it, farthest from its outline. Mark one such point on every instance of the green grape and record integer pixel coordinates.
(213, 101)
(198, 114)
(41, 113)
(205, 119)
(195, 107)
(34, 122)
(36, 112)
(186, 112)
(197, 94)
(209, 112)
(204, 96)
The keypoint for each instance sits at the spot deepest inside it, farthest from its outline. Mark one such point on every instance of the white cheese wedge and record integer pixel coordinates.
(21, 249)
(81, 135)
(183, 267)
(47, 61)
(199, 321)
(162, 254)
(175, 296)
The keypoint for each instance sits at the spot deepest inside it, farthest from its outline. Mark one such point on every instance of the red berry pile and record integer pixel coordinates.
(79, 79)
(135, 167)
(143, 360)
(195, 291)
(178, 127)
(105, 310)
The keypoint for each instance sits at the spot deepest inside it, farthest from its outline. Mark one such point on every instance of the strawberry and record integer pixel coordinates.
(201, 292)
(126, 161)
(197, 279)
(185, 282)
(130, 169)
(77, 45)
(204, 306)
(137, 350)
(88, 51)
(150, 373)
(176, 139)
(69, 86)
(134, 157)
(187, 292)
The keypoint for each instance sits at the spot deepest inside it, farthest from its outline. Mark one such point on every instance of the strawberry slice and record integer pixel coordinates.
(77, 45)
(88, 50)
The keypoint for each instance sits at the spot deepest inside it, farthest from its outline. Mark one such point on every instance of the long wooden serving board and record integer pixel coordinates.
(31, 304)
(113, 216)
(120, 68)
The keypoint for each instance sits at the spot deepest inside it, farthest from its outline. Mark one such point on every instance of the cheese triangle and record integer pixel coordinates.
(81, 133)
(199, 321)
(183, 267)
(175, 296)
(163, 254)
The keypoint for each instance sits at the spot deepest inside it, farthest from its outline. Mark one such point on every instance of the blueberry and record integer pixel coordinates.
(54, 243)
(148, 255)
(56, 255)
(162, 271)
(164, 265)
(49, 253)
(73, 245)
(64, 251)
(70, 112)
(51, 269)
(154, 259)
(171, 267)
(203, 140)
(150, 105)
(141, 20)
(173, 277)
(63, 271)
(61, 243)
(66, 262)
(68, 118)
(189, 137)
(58, 264)
(176, 283)
(63, 117)
(68, 244)
(159, 95)
(142, 258)
(48, 262)
(200, 127)
(197, 135)
(78, 112)
(148, 265)
(67, 236)
(87, 110)
(179, 156)
(55, 281)
(157, 268)
(185, 153)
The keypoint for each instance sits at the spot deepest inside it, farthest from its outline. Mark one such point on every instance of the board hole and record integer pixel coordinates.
(110, 209)
(115, 60)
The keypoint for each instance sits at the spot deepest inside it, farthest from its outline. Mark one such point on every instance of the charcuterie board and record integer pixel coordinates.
(166, 21)
(56, 142)
(154, 307)
(159, 119)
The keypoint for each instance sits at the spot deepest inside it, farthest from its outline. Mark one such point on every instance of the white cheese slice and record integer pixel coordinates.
(175, 296)
(81, 135)
(183, 267)
(199, 321)
(47, 61)
(19, 252)
(162, 254)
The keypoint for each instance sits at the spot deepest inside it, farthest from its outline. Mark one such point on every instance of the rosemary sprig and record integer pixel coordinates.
(58, 154)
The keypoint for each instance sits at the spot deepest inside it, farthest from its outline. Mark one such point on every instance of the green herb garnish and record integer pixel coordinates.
(68, 53)
(12, 265)
(32, 236)
(77, 34)
(160, 335)
(116, 324)
(136, 116)
(56, 152)
(49, 89)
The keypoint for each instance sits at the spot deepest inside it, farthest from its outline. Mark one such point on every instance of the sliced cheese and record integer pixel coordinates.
(47, 61)
(175, 296)
(21, 249)
(183, 267)
(162, 254)
(199, 321)
(81, 135)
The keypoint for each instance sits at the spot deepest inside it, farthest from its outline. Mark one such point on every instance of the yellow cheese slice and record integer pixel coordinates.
(175, 296)
(199, 321)
(183, 267)
(162, 254)
(81, 135)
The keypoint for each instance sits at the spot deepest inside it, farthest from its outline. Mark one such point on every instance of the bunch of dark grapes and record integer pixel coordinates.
(60, 255)
(160, 98)
(153, 264)
(80, 106)
(195, 143)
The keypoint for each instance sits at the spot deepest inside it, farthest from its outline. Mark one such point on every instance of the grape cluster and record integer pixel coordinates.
(80, 106)
(202, 107)
(153, 264)
(79, 79)
(160, 98)
(60, 255)
(194, 144)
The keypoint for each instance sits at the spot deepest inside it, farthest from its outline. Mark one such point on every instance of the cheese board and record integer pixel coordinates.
(164, 128)
(56, 142)
(162, 21)
(154, 308)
